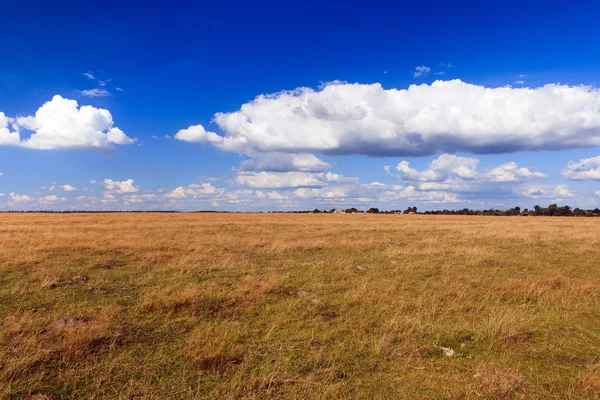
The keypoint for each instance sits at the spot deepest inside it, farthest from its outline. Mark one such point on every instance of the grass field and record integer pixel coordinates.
(298, 306)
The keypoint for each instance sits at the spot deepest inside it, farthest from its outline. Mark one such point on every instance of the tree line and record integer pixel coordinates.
(552, 210)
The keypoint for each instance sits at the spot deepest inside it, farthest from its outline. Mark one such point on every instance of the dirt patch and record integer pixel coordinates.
(67, 323)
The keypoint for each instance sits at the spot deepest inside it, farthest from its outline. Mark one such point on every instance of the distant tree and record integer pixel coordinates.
(351, 210)
(538, 211)
(596, 211)
(316, 211)
(565, 211)
(373, 210)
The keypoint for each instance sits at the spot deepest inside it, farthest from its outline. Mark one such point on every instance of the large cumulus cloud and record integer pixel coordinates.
(446, 116)
(62, 124)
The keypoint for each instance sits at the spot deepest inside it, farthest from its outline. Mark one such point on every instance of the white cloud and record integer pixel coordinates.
(19, 198)
(331, 177)
(563, 191)
(8, 138)
(441, 168)
(95, 92)
(510, 172)
(598, 193)
(548, 192)
(194, 191)
(586, 168)
(62, 124)
(50, 198)
(271, 195)
(281, 162)
(89, 75)
(1, 174)
(198, 134)
(291, 179)
(120, 186)
(421, 70)
(325, 192)
(138, 198)
(411, 193)
(446, 116)
(520, 82)
(118, 89)
(388, 171)
(451, 173)
(68, 188)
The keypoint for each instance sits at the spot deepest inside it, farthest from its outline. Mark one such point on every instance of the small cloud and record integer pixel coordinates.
(89, 75)
(51, 198)
(154, 137)
(168, 137)
(520, 82)
(421, 70)
(385, 72)
(120, 186)
(522, 76)
(68, 188)
(563, 191)
(387, 170)
(118, 89)
(103, 83)
(440, 73)
(95, 93)
(18, 198)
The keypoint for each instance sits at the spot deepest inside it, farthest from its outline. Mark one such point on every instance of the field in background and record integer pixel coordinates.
(298, 306)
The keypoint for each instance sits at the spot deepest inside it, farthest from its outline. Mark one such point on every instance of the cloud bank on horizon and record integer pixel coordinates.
(283, 137)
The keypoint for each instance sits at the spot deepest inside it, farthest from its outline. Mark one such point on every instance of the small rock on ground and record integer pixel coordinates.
(448, 352)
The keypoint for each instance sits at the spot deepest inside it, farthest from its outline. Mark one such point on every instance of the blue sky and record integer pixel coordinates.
(281, 106)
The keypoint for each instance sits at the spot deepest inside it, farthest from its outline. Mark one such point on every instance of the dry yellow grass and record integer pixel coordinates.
(298, 306)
